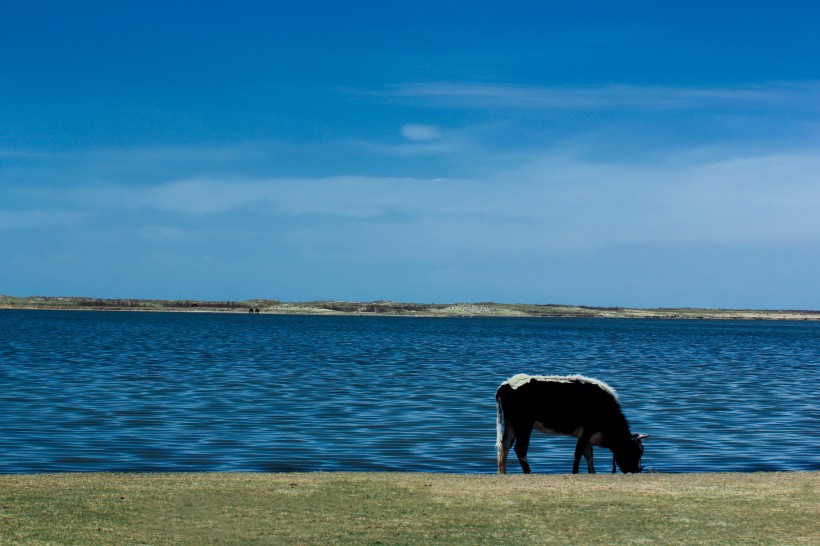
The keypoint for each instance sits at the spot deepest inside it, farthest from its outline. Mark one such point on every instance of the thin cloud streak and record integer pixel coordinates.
(342, 196)
(39, 219)
(565, 201)
(803, 95)
(554, 210)
(415, 132)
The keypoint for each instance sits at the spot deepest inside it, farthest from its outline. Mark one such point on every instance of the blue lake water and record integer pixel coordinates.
(108, 391)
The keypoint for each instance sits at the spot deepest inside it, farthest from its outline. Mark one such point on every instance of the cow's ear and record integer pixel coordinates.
(641, 436)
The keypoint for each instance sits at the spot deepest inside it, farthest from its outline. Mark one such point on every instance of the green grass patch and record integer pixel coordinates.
(409, 508)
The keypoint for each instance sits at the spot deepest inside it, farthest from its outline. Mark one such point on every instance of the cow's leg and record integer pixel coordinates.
(507, 440)
(580, 449)
(588, 458)
(523, 431)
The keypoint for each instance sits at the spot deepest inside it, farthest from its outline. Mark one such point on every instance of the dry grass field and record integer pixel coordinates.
(409, 508)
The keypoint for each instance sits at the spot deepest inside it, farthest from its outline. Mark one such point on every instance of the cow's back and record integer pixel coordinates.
(562, 404)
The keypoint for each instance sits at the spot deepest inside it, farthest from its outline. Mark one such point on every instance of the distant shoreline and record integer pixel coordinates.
(391, 308)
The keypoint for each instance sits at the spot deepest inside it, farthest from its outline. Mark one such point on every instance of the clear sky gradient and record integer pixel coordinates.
(648, 154)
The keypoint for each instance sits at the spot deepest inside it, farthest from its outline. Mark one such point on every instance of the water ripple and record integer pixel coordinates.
(89, 391)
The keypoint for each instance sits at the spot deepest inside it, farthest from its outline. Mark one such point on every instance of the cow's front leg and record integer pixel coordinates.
(588, 458)
(580, 449)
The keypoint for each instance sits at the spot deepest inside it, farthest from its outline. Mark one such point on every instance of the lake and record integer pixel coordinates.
(137, 391)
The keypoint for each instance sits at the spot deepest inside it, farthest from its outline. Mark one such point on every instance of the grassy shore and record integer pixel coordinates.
(392, 308)
(409, 508)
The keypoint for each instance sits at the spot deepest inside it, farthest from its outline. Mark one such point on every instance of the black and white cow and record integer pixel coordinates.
(565, 405)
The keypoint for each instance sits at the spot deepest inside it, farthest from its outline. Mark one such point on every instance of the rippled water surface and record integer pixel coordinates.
(92, 391)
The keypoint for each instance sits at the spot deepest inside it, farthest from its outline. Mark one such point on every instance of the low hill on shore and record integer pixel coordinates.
(392, 308)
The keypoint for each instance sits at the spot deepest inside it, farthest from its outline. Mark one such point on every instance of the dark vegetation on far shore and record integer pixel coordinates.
(386, 307)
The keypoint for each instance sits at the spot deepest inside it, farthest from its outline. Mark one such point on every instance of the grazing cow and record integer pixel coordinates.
(569, 406)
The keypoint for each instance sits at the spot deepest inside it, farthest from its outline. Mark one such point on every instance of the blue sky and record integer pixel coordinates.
(642, 154)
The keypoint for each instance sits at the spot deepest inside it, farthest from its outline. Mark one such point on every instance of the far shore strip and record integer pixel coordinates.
(391, 308)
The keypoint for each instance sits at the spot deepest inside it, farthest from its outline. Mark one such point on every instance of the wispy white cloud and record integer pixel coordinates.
(204, 195)
(38, 219)
(551, 201)
(800, 95)
(554, 206)
(417, 133)
(412, 148)
(461, 146)
(343, 196)
(162, 233)
(11, 153)
(745, 200)
(556, 197)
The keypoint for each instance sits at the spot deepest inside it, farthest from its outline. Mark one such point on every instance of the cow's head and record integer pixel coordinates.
(628, 454)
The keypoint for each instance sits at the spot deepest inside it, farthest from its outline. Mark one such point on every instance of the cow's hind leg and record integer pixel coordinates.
(507, 440)
(522, 443)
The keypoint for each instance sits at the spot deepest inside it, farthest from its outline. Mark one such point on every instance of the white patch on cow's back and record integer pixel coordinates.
(520, 379)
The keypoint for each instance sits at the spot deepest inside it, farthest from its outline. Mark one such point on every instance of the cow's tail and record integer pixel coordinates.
(499, 425)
